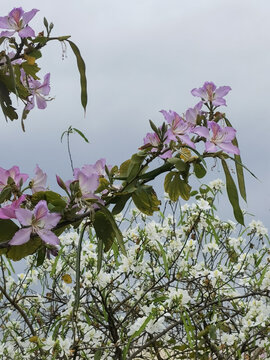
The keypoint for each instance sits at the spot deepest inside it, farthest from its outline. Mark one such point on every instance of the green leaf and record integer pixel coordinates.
(98, 355)
(99, 254)
(178, 163)
(41, 256)
(5, 194)
(6, 103)
(104, 230)
(81, 134)
(52, 198)
(233, 194)
(199, 170)
(146, 199)
(31, 70)
(163, 253)
(19, 252)
(175, 186)
(135, 165)
(81, 68)
(107, 229)
(7, 230)
(239, 168)
(120, 202)
(123, 170)
(11, 75)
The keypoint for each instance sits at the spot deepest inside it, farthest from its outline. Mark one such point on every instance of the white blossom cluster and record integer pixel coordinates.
(189, 286)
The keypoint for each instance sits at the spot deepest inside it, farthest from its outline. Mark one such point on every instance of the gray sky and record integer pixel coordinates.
(143, 56)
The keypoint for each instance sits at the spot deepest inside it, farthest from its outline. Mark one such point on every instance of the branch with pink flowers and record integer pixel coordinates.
(32, 216)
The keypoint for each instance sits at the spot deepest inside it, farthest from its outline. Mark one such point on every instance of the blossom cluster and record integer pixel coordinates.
(38, 219)
(196, 122)
(16, 22)
(190, 283)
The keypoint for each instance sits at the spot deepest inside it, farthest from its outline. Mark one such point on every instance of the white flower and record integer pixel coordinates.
(217, 184)
(210, 247)
(258, 227)
(65, 345)
(203, 204)
(49, 343)
(228, 339)
(103, 278)
(136, 326)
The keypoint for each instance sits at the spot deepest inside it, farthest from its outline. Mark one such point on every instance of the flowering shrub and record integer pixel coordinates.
(191, 286)
(187, 286)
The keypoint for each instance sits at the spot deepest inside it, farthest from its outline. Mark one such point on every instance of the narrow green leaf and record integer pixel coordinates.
(11, 75)
(81, 134)
(81, 68)
(164, 259)
(99, 254)
(238, 167)
(233, 194)
(41, 256)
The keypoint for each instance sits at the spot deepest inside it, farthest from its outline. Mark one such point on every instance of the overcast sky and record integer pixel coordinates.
(143, 56)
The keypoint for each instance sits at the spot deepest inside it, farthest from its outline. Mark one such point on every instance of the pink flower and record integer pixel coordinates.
(209, 92)
(37, 90)
(98, 168)
(153, 139)
(8, 212)
(17, 21)
(88, 184)
(39, 181)
(13, 173)
(179, 128)
(192, 114)
(222, 138)
(39, 221)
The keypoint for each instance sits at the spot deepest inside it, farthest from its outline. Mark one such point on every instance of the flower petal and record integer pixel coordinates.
(27, 16)
(24, 216)
(4, 24)
(230, 148)
(210, 147)
(21, 236)
(48, 237)
(26, 32)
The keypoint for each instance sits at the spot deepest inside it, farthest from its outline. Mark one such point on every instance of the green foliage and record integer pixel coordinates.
(81, 68)
(176, 187)
(145, 199)
(7, 230)
(54, 200)
(233, 194)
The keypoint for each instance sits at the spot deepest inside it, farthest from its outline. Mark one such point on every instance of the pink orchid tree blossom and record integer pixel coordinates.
(222, 138)
(17, 21)
(98, 168)
(209, 92)
(153, 139)
(192, 114)
(179, 128)
(13, 173)
(39, 222)
(38, 183)
(38, 91)
(8, 212)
